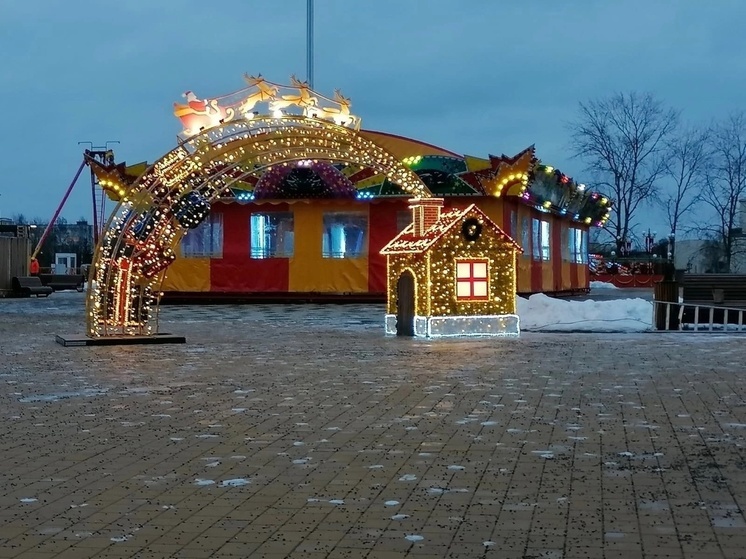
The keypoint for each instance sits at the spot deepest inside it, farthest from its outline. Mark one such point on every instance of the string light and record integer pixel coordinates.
(549, 190)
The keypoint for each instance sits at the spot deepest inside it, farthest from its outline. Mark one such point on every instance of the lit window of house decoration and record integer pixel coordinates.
(472, 280)
(451, 273)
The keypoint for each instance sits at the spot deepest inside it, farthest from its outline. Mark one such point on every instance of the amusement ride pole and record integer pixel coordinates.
(100, 154)
(57, 213)
(309, 43)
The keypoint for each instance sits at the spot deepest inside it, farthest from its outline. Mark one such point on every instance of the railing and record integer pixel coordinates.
(708, 322)
(636, 280)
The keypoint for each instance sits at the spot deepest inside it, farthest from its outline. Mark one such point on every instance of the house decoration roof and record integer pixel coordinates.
(408, 242)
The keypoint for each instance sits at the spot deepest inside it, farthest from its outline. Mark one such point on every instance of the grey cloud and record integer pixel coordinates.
(473, 76)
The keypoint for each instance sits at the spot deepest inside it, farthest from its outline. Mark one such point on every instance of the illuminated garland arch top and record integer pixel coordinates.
(232, 143)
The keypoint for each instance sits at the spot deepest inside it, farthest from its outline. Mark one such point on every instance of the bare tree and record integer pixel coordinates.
(623, 139)
(685, 165)
(725, 183)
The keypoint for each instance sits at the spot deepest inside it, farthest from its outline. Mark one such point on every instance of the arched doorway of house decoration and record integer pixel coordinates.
(175, 193)
(405, 304)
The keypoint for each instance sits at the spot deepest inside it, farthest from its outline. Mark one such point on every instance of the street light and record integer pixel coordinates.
(649, 241)
(625, 246)
(670, 246)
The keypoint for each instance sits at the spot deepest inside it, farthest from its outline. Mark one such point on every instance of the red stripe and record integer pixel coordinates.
(381, 229)
(505, 225)
(236, 272)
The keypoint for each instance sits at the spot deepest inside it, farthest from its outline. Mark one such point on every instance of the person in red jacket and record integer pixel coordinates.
(34, 267)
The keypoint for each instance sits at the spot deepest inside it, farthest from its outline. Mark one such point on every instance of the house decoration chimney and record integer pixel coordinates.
(425, 213)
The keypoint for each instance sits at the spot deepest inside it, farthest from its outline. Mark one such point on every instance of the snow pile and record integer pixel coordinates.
(603, 285)
(543, 313)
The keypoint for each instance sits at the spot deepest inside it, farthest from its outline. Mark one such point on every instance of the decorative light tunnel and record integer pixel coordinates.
(175, 193)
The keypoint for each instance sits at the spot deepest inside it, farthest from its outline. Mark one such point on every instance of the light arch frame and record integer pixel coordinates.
(136, 247)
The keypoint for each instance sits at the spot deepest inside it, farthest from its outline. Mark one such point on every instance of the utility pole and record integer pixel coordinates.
(309, 43)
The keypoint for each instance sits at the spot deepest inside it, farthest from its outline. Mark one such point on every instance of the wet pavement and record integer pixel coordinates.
(301, 431)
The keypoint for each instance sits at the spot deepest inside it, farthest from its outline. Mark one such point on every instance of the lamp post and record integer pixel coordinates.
(625, 246)
(670, 246)
(309, 42)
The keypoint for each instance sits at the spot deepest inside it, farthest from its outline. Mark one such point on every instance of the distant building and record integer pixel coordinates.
(15, 250)
(738, 257)
(703, 256)
(691, 255)
(8, 228)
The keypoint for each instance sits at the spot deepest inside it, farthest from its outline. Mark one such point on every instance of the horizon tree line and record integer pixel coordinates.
(641, 152)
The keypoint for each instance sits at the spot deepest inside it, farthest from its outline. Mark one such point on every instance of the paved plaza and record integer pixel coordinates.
(300, 431)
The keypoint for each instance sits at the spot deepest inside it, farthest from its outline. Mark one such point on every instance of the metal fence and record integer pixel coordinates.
(698, 318)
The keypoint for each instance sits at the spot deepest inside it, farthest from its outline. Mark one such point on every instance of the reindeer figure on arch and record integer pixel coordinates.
(304, 99)
(265, 91)
(340, 116)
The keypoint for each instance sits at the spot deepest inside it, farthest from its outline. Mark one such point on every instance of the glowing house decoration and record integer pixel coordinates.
(451, 273)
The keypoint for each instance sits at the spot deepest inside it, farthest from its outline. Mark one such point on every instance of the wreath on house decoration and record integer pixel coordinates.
(471, 229)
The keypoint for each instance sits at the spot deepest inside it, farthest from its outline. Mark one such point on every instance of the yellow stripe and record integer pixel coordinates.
(309, 271)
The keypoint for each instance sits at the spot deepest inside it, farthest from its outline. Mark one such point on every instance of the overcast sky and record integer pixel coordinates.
(475, 77)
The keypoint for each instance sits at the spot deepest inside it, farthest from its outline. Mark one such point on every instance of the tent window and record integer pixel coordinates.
(345, 235)
(272, 235)
(206, 240)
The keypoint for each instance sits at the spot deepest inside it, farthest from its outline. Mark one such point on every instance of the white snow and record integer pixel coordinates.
(542, 313)
(602, 285)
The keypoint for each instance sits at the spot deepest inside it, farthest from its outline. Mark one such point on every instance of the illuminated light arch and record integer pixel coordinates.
(175, 193)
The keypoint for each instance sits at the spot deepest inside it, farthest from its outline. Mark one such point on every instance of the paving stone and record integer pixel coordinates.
(284, 431)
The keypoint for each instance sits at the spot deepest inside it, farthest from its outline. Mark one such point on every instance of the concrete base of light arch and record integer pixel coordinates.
(502, 325)
(73, 340)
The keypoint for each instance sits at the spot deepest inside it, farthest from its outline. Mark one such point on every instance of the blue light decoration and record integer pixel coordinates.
(244, 196)
(191, 210)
